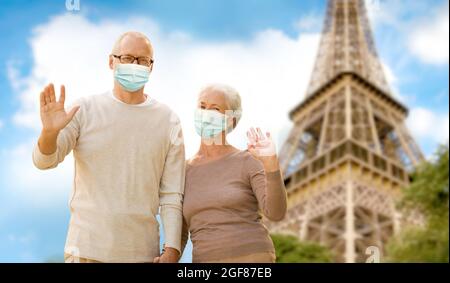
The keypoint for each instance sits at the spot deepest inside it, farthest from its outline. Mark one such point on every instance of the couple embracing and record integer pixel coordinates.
(130, 166)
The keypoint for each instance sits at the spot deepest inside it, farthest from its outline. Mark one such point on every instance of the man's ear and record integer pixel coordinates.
(111, 62)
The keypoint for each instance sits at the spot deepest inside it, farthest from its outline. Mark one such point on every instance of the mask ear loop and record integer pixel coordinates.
(229, 126)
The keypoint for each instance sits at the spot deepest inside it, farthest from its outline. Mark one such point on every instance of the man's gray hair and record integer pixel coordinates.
(231, 95)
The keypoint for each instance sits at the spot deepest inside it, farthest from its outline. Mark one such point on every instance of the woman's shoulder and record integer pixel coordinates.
(244, 154)
(237, 155)
(250, 162)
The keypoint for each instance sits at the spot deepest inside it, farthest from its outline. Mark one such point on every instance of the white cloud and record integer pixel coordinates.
(23, 244)
(424, 32)
(391, 78)
(2, 124)
(270, 70)
(398, 14)
(13, 74)
(425, 124)
(393, 82)
(375, 12)
(389, 12)
(41, 188)
(22, 239)
(429, 40)
(310, 22)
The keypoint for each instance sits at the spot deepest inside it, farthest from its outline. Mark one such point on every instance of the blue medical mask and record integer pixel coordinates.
(131, 77)
(210, 123)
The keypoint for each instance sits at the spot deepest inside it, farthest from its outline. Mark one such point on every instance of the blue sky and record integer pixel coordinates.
(263, 47)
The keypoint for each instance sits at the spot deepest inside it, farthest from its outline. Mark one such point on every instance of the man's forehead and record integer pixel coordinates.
(133, 44)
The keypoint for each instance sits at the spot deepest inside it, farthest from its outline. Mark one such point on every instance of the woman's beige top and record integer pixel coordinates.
(222, 207)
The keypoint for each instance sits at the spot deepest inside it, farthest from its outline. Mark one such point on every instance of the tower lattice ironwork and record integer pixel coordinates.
(349, 153)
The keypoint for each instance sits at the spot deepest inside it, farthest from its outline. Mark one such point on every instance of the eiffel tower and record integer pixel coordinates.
(349, 154)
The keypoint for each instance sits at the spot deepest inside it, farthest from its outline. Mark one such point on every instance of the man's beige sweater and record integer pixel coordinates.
(129, 162)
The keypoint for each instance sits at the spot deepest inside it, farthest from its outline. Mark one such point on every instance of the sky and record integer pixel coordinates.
(264, 48)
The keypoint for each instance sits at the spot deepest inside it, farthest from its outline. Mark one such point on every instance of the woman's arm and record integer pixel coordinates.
(265, 176)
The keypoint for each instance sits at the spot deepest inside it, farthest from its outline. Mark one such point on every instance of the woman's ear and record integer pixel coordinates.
(111, 62)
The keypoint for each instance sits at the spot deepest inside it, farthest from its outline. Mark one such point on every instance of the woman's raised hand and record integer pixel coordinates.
(263, 148)
(260, 145)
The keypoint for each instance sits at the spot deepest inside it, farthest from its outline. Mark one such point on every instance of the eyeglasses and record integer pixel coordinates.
(129, 59)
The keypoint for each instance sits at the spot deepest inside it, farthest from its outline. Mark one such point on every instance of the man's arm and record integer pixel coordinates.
(184, 236)
(171, 196)
(59, 129)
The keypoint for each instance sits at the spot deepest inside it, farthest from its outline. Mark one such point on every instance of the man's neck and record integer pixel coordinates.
(136, 97)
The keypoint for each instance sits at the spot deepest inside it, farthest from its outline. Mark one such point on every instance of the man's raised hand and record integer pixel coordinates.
(53, 115)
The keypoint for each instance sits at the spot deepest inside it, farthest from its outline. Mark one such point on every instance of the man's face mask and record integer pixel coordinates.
(210, 123)
(131, 77)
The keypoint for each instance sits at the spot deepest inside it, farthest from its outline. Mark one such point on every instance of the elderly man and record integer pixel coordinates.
(129, 162)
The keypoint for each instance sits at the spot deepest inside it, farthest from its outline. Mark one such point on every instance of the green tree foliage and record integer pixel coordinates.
(428, 194)
(290, 249)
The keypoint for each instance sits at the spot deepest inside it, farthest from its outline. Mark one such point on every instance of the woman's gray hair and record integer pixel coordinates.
(231, 95)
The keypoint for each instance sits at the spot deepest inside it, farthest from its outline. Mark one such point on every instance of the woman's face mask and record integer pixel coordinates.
(131, 77)
(210, 123)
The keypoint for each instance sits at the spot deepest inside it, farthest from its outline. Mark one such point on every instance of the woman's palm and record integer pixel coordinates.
(260, 145)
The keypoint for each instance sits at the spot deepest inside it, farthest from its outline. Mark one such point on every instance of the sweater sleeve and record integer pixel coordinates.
(172, 189)
(65, 142)
(268, 188)
(184, 236)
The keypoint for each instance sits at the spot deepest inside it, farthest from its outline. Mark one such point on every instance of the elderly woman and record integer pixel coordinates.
(227, 189)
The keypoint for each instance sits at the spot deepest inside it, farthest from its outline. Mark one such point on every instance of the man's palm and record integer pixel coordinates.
(53, 115)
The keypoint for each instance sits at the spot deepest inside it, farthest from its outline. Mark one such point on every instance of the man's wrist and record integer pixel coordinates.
(47, 142)
(47, 133)
(172, 250)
